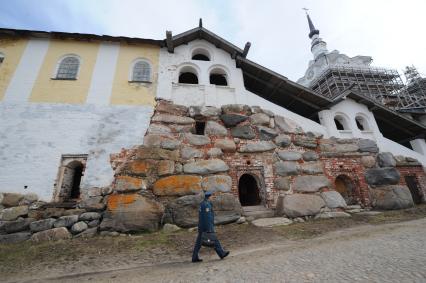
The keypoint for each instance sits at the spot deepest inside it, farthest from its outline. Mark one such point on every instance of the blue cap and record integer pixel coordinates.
(207, 194)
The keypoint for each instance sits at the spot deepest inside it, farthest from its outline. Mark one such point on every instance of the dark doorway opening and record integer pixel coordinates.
(218, 79)
(75, 189)
(188, 78)
(200, 126)
(346, 188)
(414, 188)
(70, 188)
(248, 190)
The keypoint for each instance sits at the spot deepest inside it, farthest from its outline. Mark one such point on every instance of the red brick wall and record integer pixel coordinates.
(351, 167)
(416, 171)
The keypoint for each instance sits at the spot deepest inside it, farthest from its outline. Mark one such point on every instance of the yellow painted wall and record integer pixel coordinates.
(127, 93)
(65, 91)
(12, 50)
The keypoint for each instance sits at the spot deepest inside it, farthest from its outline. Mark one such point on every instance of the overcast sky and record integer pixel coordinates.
(390, 31)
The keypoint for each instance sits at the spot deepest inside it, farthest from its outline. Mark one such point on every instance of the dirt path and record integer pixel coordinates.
(393, 252)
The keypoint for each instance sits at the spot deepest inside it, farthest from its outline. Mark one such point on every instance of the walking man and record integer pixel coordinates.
(206, 225)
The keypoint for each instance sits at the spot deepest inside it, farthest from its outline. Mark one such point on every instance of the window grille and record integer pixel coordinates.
(141, 72)
(68, 68)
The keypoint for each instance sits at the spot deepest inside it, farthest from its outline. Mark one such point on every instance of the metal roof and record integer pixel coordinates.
(78, 36)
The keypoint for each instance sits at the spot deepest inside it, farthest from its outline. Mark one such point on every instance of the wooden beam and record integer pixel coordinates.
(293, 96)
(169, 42)
(246, 50)
(394, 125)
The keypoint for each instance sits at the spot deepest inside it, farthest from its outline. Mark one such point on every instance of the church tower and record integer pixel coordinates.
(318, 46)
(332, 73)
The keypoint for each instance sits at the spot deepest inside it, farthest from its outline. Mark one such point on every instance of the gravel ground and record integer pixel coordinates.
(393, 252)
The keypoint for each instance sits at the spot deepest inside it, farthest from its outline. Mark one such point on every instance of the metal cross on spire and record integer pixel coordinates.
(306, 10)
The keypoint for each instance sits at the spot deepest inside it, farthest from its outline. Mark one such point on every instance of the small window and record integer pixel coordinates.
(201, 54)
(188, 78)
(361, 123)
(341, 123)
(200, 57)
(1, 58)
(141, 72)
(218, 79)
(68, 68)
(200, 127)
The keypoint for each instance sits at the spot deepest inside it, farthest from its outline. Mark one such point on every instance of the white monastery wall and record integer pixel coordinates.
(34, 136)
(204, 93)
(348, 109)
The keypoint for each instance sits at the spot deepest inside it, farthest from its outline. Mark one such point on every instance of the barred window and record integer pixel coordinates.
(141, 72)
(68, 68)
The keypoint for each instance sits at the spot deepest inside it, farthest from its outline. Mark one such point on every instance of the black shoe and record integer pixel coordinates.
(197, 260)
(225, 255)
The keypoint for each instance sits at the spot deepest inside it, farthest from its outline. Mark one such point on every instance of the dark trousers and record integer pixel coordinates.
(217, 247)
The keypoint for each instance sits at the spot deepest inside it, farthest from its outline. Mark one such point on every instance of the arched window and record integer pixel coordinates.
(188, 78)
(200, 54)
(141, 71)
(68, 68)
(218, 77)
(362, 123)
(341, 123)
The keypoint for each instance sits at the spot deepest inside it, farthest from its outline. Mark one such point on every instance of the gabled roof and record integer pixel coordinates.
(258, 79)
(203, 33)
(392, 124)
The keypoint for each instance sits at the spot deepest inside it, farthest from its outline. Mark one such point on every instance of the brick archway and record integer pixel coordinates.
(352, 169)
(257, 173)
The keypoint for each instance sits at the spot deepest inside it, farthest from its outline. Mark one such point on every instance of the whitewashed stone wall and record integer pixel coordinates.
(350, 109)
(34, 136)
(211, 95)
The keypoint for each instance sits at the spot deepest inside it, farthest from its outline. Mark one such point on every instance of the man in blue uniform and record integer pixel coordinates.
(206, 224)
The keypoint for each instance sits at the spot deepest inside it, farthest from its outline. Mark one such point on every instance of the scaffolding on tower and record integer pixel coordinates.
(380, 84)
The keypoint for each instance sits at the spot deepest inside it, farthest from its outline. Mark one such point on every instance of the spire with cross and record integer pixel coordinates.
(312, 29)
(318, 46)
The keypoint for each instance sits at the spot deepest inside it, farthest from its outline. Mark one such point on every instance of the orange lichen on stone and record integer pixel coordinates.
(177, 185)
(130, 181)
(115, 201)
(141, 167)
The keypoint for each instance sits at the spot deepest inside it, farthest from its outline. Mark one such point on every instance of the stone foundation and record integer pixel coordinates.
(188, 150)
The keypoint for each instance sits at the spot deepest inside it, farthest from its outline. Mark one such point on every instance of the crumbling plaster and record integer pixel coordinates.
(34, 136)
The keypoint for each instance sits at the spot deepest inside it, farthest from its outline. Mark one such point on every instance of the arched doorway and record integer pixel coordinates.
(346, 187)
(248, 190)
(70, 187)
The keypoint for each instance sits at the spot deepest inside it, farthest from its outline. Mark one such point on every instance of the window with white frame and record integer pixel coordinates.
(218, 77)
(341, 123)
(68, 68)
(201, 54)
(362, 123)
(141, 71)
